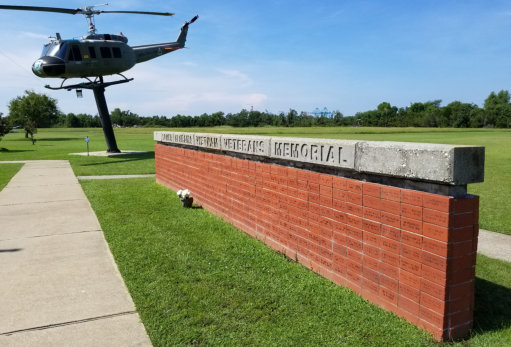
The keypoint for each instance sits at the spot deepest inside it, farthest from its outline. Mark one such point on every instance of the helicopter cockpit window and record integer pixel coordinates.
(54, 49)
(46, 48)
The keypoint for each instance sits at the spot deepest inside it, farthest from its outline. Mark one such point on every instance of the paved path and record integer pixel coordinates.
(494, 245)
(59, 283)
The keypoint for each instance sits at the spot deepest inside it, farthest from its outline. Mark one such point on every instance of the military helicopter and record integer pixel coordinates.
(94, 56)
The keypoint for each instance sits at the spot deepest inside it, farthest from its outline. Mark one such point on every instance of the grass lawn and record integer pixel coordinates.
(7, 171)
(58, 143)
(197, 280)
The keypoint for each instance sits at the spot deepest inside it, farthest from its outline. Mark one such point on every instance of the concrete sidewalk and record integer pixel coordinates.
(59, 283)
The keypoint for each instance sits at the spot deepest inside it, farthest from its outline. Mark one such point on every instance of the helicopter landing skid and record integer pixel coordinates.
(97, 83)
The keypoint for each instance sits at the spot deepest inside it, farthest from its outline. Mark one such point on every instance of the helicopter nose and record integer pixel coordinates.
(49, 67)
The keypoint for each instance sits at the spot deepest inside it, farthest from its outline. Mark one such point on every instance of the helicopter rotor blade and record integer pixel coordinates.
(41, 9)
(86, 11)
(141, 12)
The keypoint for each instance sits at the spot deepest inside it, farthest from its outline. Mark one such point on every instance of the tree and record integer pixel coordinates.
(33, 111)
(4, 127)
(497, 109)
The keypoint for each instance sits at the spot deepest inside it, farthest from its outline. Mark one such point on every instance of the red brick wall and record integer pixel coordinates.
(407, 251)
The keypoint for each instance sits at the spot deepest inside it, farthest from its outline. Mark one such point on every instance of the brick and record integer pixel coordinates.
(411, 306)
(439, 202)
(462, 234)
(371, 201)
(390, 245)
(436, 305)
(464, 220)
(436, 232)
(339, 264)
(339, 248)
(370, 262)
(372, 239)
(410, 265)
(410, 252)
(314, 187)
(355, 233)
(372, 214)
(325, 190)
(434, 275)
(438, 218)
(370, 286)
(436, 247)
(389, 270)
(391, 193)
(468, 204)
(354, 198)
(338, 205)
(391, 233)
(433, 289)
(461, 290)
(390, 206)
(435, 261)
(354, 221)
(313, 177)
(412, 225)
(355, 278)
(461, 275)
(411, 211)
(390, 219)
(464, 317)
(354, 186)
(353, 244)
(411, 239)
(353, 209)
(370, 274)
(339, 183)
(432, 317)
(409, 292)
(389, 283)
(388, 295)
(325, 180)
(371, 189)
(371, 226)
(339, 194)
(412, 197)
(354, 263)
(389, 258)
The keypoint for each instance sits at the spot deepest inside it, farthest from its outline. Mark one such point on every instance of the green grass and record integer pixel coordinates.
(58, 143)
(7, 171)
(197, 280)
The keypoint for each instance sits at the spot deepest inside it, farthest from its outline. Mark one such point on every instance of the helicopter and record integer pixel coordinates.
(95, 55)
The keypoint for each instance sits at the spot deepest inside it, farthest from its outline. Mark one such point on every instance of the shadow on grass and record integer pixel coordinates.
(122, 159)
(492, 309)
(57, 139)
(7, 150)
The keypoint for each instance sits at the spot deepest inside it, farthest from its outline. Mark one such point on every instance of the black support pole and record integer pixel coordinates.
(104, 115)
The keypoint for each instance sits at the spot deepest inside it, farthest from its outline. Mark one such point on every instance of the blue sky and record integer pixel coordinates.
(276, 55)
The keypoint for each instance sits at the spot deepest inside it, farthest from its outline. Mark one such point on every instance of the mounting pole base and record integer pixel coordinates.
(106, 123)
(98, 87)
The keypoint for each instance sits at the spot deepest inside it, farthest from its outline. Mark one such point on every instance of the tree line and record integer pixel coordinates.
(32, 111)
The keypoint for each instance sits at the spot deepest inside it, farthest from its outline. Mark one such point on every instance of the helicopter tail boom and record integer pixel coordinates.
(181, 39)
(148, 52)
